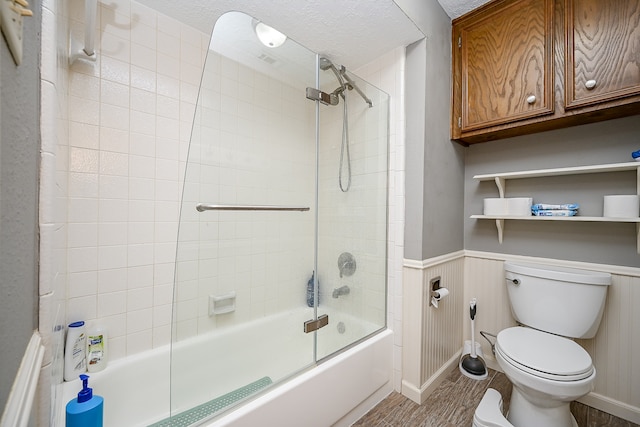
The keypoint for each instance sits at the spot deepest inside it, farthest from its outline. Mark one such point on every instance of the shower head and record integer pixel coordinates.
(343, 78)
(325, 63)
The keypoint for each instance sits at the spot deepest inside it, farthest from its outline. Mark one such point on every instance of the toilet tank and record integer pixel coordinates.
(562, 301)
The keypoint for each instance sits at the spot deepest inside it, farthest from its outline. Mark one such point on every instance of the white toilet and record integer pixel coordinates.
(547, 370)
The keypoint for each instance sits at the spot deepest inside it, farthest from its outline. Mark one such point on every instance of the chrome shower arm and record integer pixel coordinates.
(352, 85)
(343, 78)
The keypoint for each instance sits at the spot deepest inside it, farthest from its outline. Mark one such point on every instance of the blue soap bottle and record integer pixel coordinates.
(87, 410)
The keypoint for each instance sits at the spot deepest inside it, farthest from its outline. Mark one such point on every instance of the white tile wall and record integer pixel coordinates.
(245, 150)
(53, 210)
(126, 156)
(387, 73)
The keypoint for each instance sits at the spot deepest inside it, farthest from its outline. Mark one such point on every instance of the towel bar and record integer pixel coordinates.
(201, 207)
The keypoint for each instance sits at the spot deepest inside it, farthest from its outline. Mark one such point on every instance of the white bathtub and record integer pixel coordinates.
(335, 392)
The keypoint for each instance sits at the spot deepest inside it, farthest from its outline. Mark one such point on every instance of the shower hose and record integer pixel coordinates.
(345, 146)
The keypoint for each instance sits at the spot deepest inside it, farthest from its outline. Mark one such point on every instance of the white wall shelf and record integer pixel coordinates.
(500, 180)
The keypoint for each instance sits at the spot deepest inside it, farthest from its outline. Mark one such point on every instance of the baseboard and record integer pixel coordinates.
(613, 407)
(419, 395)
(18, 408)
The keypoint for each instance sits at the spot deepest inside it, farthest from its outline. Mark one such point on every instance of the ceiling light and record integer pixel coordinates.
(268, 36)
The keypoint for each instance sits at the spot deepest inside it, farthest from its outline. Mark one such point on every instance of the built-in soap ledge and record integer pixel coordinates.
(221, 304)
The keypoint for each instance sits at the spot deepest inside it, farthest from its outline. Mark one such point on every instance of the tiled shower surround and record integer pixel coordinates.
(130, 115)
(115, 139)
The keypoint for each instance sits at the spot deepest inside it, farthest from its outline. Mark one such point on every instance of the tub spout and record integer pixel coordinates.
(343, 290)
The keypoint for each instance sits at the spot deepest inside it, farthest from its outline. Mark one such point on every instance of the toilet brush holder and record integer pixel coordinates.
(467, 349)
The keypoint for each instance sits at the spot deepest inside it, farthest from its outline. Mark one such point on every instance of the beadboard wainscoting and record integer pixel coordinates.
(434, 338)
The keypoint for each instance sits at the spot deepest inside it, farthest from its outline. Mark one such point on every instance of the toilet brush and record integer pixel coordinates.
(471, 365)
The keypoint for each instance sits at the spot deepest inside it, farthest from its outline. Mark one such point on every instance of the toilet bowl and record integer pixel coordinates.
(547, 368)
(547, 371)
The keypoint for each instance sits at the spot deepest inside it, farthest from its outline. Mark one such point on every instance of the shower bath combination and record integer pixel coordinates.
(251, 232)
(333, 98)
(258, 211)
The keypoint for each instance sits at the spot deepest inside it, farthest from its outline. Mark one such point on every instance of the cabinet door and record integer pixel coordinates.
(507, 64)
(603, 51)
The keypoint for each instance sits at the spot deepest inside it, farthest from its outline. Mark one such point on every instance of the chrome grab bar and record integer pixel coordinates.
(201, 207)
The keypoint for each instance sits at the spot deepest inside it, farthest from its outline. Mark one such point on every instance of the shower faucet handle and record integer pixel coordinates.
(346, 264)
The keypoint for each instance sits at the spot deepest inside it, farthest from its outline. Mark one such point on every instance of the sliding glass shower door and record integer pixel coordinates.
(270, 248)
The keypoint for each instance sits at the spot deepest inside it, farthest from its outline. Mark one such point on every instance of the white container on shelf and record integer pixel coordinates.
(509, 206)
(519, 206)
(621, 206)
(495, 206)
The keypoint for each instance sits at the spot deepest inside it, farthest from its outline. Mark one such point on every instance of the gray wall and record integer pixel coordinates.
(597, 143)
(19, 152)
(441, 193)
(434, 165)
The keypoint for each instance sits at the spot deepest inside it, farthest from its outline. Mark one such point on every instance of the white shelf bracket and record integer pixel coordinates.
(500, 183)
(500, 227)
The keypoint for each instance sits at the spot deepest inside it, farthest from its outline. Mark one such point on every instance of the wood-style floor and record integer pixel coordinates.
(452, 405)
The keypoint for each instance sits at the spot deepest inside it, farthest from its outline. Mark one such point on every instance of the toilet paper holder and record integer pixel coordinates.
(436, 292)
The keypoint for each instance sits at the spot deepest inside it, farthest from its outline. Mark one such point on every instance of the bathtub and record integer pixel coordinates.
(337, 391)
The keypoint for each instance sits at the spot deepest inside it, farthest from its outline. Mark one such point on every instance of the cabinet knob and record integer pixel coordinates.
(531, 99)
(590, 84)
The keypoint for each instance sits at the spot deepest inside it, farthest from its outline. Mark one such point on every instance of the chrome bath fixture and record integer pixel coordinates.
(345, 81)
(333, 98)
(342, 290)
(346, 264)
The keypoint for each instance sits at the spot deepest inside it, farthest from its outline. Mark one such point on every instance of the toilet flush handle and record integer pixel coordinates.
(515, 281)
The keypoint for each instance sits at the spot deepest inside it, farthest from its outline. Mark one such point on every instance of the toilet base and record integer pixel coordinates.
(523, 413)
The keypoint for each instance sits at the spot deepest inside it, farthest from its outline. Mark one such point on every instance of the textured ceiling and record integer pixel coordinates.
(456, 8)
(349, 32)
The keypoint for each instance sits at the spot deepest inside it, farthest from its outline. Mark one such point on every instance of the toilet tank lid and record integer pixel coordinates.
(564, 274)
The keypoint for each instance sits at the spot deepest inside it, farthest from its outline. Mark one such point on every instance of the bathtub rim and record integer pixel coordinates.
(235, 413)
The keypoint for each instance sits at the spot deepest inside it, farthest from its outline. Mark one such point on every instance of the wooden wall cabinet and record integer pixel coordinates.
(603, 51)
(525, 66)
(507, 64)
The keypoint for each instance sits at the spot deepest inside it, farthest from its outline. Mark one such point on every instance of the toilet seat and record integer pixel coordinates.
(544, 355)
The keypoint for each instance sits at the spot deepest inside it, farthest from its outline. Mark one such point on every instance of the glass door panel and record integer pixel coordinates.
(352, 209)
(246, 236)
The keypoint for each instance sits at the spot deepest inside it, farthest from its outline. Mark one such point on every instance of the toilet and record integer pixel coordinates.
(548, 370)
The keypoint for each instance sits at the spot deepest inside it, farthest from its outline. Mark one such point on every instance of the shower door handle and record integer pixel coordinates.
(201, 207)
